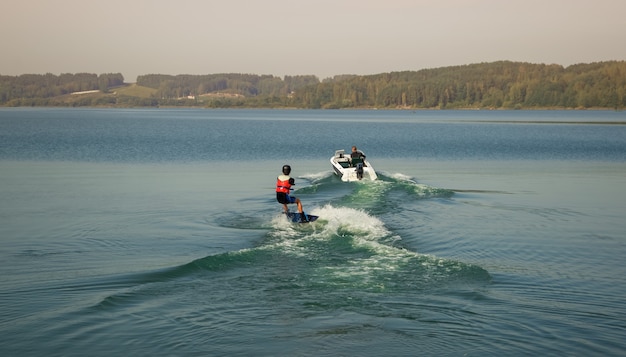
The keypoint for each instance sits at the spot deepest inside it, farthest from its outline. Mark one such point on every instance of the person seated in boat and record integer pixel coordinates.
(283, 186)
(356, 154)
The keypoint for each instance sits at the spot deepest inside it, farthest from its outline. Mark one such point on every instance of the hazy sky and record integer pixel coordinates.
(292, 37)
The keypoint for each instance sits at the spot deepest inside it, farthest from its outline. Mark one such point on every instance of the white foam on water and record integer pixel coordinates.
(373, 259)
(333, 221)
(418, 189)
(352, 221)
(314, 177)
(401, 177)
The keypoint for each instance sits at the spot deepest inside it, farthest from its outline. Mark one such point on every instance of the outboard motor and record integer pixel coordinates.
(359, 171)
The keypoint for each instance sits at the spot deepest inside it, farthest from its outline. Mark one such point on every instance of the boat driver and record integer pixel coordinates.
(357, 154)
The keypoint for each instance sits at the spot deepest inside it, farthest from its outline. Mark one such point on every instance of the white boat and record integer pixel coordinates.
(352, 169)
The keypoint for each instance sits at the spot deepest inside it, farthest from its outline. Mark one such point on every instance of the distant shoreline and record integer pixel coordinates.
(502, 85)
(341, 109)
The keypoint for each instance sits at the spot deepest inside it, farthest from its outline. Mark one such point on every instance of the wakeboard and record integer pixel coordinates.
(295, 217)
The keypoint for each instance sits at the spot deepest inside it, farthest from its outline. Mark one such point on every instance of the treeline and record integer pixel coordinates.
(487, 85)
(36, 86)
(247, 85)
(504, 84)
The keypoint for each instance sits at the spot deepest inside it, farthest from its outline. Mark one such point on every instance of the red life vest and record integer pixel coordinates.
(283, 186)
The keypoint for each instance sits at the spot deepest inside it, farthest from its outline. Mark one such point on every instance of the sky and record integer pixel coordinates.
(298, 37)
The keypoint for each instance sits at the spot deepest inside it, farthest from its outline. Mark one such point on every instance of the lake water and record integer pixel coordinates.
(156, 232)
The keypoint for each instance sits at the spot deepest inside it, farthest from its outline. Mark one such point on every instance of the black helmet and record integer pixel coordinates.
(286, 169)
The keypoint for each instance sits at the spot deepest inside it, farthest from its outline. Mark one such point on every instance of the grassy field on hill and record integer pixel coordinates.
(134, 90)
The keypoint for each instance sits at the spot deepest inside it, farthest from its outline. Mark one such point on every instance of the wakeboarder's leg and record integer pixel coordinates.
(299, 205)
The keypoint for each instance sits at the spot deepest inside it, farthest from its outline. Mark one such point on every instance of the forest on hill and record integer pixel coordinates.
(496, 85)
